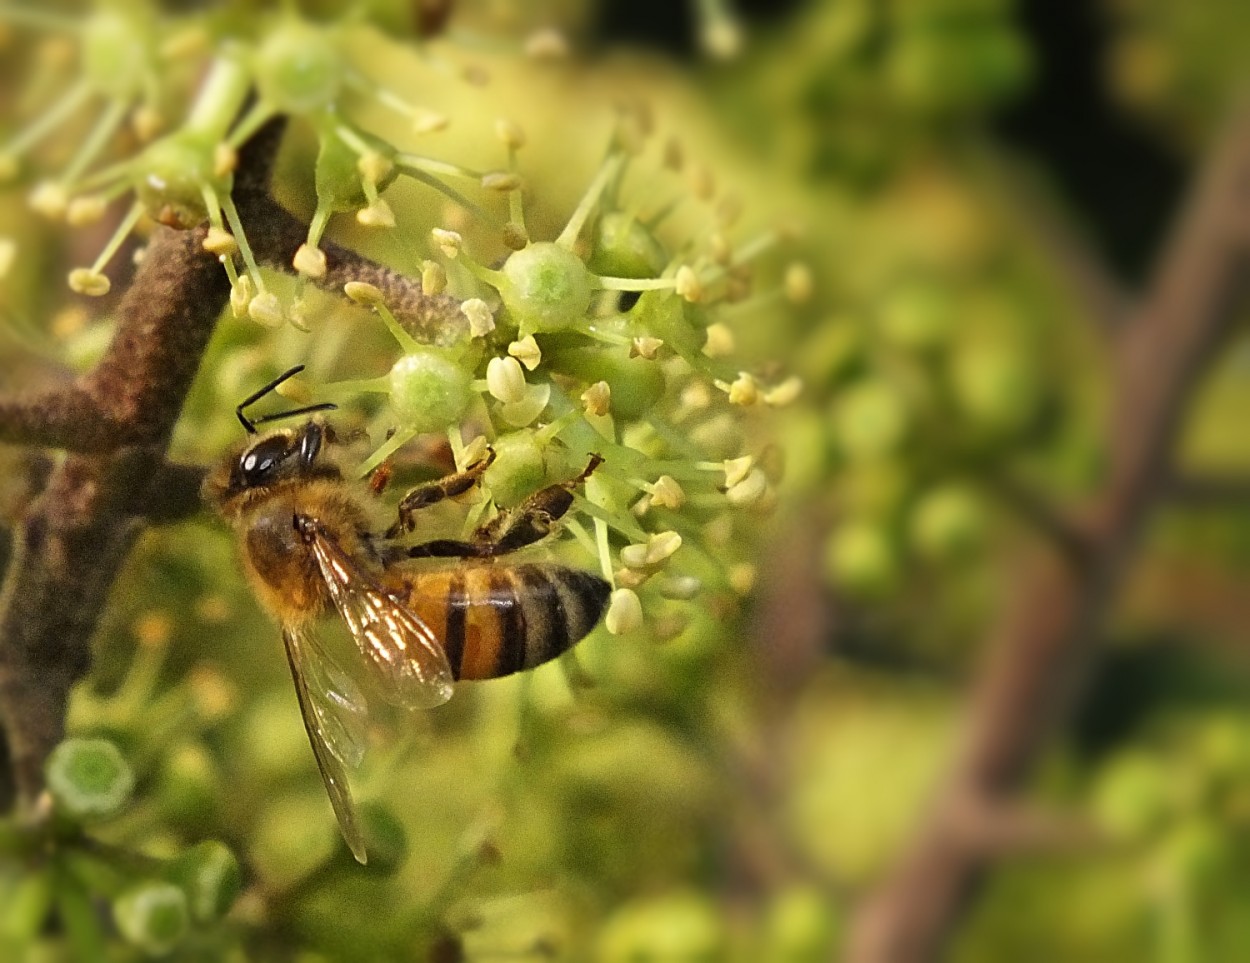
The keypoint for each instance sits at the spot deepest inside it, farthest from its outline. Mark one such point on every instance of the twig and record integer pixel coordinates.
(1043, 649)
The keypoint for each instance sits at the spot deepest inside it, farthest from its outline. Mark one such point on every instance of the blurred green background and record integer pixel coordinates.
(731, 780)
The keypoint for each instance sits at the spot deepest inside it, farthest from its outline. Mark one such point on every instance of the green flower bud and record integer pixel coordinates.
(635, 384)
(116, 53)
(860, 558)
(547, 288)
(385, 838)
(209, 875)
(680, 927)
(293, 837)
(89, 779)
(171, 175)
(917, 316)
(996, 385)
(153, 916)
(870, 419)
(429, 391)
(799, 927)
(189, 785)
(519, 468)
(623, 248)
(948, 523)
(1133, 796)
(299, 69)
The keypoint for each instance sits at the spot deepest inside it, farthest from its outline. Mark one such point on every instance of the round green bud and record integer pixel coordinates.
(917, 316)
(519, 468)
(547, 288)
(171, 174)
(116, 53)
(1223, 747)
(948, 523)
(681, 927)
(800, 927)
(636, 384)
(1132, 796)
(861, 559)
(189, 785)
(209, 875)
(996, 385)
(623, 248)
(870, 419)
(385, 838)
(89, 779)
(299, 69)
(153, 916)
(294, 837)
(429, 391)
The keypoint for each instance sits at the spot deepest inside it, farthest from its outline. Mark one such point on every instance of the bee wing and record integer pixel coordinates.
(315, 705)
(409, 663)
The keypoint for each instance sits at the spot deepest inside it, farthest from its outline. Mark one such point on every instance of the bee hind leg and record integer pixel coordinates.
(449, 486)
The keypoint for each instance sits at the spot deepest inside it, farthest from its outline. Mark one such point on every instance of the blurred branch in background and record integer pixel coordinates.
(1041, 651)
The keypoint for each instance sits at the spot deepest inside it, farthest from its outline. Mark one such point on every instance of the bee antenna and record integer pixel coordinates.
(249, 424)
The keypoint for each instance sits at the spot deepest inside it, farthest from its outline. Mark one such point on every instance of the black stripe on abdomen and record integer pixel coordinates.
(547, 619)
(513, 641)
(457, 609)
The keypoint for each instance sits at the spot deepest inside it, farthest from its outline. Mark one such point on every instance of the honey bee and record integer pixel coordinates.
(305, 538)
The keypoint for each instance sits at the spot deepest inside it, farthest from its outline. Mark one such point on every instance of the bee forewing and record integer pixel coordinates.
(410, 665)
(315, 710)
(337, 701)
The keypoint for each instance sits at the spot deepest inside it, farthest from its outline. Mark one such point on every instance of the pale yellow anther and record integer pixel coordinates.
(741, 577)
(510, 133)
(374, 167)
(449, 242)
(680, 587)
(377, 214)
(624, 612)
(597, 398)
(748, 491)
(501, 181)
(225, 160)
(645, 347)
(362, 292)
(146, 122)
(719, 247)
(785, 393)
(798, 283)
(433, 278)
(430, 122)
(666, 493)
(634, 556)
(737, 469)
(688, 285)
(527, 352)
(220, 242)
(297, 314)
(8, 255)
(661, 546)
(745, 390)
(505, 380)
(720, 341)
(546, 44)
(240, 296)
(85, 210)
(310, 261)
(266, 309)
(514, 236)
(696, 395)
(88, 282)
(722, 38)
(481, 320)
(49, 199)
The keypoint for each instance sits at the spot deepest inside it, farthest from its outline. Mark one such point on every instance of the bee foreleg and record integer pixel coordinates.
(449, 486)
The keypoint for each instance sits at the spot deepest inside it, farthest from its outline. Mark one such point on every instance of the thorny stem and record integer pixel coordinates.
(1041, 651)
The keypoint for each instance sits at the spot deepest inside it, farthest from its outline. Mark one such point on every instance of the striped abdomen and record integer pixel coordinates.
(494, 620)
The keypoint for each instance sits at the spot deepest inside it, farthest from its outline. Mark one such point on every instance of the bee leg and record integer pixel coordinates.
(449, 486)
(532, 520)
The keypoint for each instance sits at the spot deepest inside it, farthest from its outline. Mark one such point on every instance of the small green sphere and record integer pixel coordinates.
(548, 288)
(623, 248)
(429, 391)
(917, 315)
(948, 523)
(679, 927)
(153, 916)
(870, 419)
(996, 385)
(299, 69)
(519, 468)
(170, 178)
(117, 53)
(210, 876)
(89, 779)
(860, 558)
(1133, 796)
